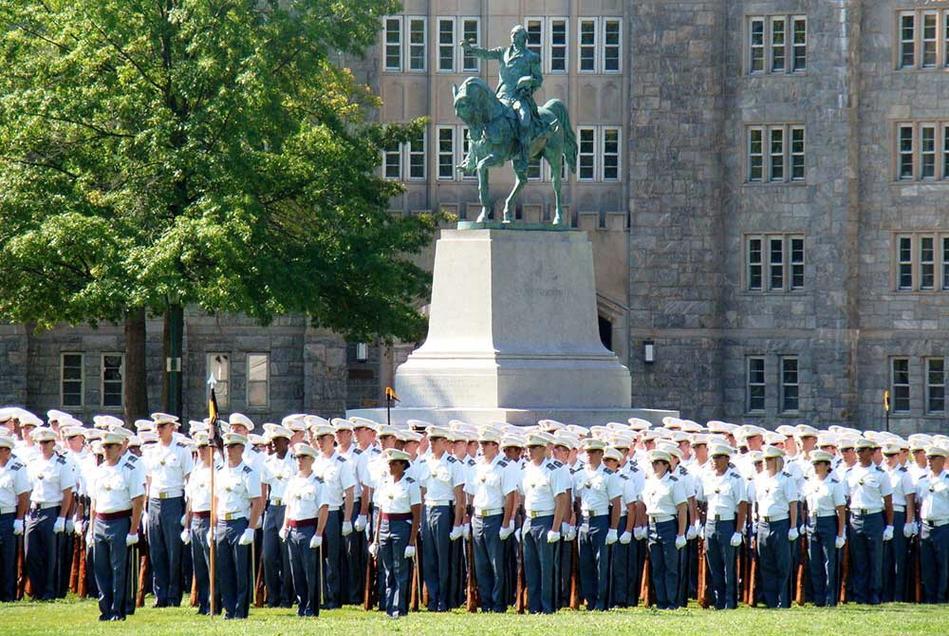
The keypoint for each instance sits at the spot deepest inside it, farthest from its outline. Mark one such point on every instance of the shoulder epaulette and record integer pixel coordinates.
(15, 466)
(626, 477)
(471, 462)
(879, 469)
(550, 466)
(357, 451)
(574, 471)
(340, 458)
(673, 478)
(634, 470)
(129, 465)
(731, 464)
(248, 469)
(734, 474)
(683, 471)
(451, 459)
(903, 469)
(503, 463)
(376, 451)
(60, 459)
(409, 479)
(607, 471)
(557, 463)
(133, 458)
(834, 480)
(785, 473)
(319, 480)
(181, 445)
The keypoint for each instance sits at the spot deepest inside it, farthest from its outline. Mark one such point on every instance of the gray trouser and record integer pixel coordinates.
(201, 560)
(233, 563)
(332, 544)
(594, 562)
(894, 562)
(393, 538)
(41, 551)
(276, 559)
(866, 557)
(164, 548)
(822, 559)
(774, 562)
(664, 563)
(110, 559)
(539, 570)
(304, 570)
(436, 558)
(625, 560)
(489, 561)
(720, 557)
(8, 556)
(934, 557)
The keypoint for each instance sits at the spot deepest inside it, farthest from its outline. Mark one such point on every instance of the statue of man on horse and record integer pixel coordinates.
(508, 125)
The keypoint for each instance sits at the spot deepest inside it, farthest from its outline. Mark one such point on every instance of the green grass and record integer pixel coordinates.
(79, 617)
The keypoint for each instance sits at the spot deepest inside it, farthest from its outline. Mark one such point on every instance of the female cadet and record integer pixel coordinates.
(777, 499)
(401, 504)
(666, 507)
(826, 504)
(303, 524)
(198, 521)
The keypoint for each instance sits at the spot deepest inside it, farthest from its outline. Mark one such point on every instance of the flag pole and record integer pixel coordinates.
(390, 396)
(212, 442)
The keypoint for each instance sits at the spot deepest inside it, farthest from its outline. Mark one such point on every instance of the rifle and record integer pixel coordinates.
(645, 590)
(260, 592)
(193, 601)
(801, 570)
(416, 581)
(21, 568)
(574, 567)
(520, 593)
(142, 577)
(753, 575)
(473, 601)
(372, 566)
(702, 592)
(844, 573)
(918, 567)
(83, 588)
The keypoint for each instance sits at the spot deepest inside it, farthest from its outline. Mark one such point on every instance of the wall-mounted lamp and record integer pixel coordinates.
(649, 351)
(362, 352)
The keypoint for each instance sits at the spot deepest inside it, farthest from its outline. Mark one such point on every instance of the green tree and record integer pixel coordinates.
(161, 153)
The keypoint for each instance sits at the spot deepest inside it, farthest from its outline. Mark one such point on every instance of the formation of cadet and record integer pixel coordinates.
(318, 514)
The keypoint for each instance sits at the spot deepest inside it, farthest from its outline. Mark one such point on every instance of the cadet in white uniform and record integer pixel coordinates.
(52, 480)
(278, 468)
(667, 510)
(168, 464)
(339, 482)
(826, 498)
(14, 500)
(117, 493)
(198, 520)
(932, 491)
(777, 498)
(904, 524)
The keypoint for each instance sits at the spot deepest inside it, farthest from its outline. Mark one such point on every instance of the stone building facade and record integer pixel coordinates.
(764, 181)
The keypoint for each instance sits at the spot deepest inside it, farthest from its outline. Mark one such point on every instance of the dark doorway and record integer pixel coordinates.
(606, 333)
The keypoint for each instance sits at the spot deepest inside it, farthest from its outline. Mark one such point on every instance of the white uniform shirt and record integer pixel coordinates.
(304, 496)
(932, 493)
(168, 467)
(491, 482)
(723, 493)
(337, 475)
(353, 455)
(234, 488)
(114, 487)
(76, 461)
(902, 485)
(824, 495)
(398, 497)
(276, 474)
(867, 487)
(689, 481)
(662, 495)
(595, 488)
(439, 477)
(775, 494)
(49, 478)
(198, 490)
(632, 490)
(541, 485)
(14, 481)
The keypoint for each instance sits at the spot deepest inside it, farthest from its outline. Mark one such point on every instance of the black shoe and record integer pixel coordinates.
(159, 605)
(104, 617)
(117, 618)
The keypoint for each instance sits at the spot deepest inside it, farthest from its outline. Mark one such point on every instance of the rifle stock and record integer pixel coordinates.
(574, 576)
(918, 574)
(74, 564)
(260, 591)
(20, 568)
(142, 577)
(372, 565)
(753, 575)
(416, 583)
(520, 594)
(83, 587)
(801, 570)
(702, 592)
(844, 573)
(645, 591)
(472, 600)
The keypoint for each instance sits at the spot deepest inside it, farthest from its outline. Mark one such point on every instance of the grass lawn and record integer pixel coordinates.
(79, 617)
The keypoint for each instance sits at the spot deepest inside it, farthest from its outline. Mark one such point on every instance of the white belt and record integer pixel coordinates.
(7, 510)
(720, 517)
(897, 508)
(276, 501)
(533, 514)
(231, 516)
(488, 512)
(595, 513)
(432, 503)
(935, 523)
(660, 518)
(332, 508)
(863, 512)
(774, 519)
(171, 493)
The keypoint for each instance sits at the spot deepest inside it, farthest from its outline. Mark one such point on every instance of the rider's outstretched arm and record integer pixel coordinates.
(484, 54)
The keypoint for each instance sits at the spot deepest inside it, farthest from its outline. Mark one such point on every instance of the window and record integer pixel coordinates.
(756, 46)
(789, 384)
(258, 379)
(611, 160)
(406, 161)
(559, 36)
(777, 44)
(471, 32)
(927, 143)
(534, 170)
(113, 376)
(463, 135)
(945, 263)
(936, 385)
(416, 151)
(392, 160)
(945, 151)
(417, 42)
(587, 45)
(921, 262)
(784, 256)
(586, 166)
(905, 262)
(754, 264)
(535, 35)
(755, 384)
(906, 152)
(907, 40)
(799, 58)
(219, 364)
(899, 385)
(927, 263)
(770, 142)
(928, 53)
(922, 151)
(446, 44)
(446, 153)
(71, 379)
(393, 45)
(612, 44)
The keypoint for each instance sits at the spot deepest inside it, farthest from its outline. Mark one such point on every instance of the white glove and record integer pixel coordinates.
(793, 534)
(79, 527)
(283, 532)
(909, 529)
(611, 536)
(527, 525)
(131, 539)
(553, 536)
(455, 533)
(316, 541)
(626, 537)
(186, 537)
(699, 529)
(184, 520)
(888, 533)
(70, 526)
(640, 532)
(373, 549)
(584, 529)
(90, 535)
(361, 523)
(568, 531)
(260, 523)
(18, 527)
(735, 540)
(347, 528)
(247, 538)
(840, 542)
(691, 532)
(145, 519)
(209, 538)
(506, 531)
(409, 551)
(466, 531)
(763, 533)
(680, 541)
(517, 535)
(60, 525)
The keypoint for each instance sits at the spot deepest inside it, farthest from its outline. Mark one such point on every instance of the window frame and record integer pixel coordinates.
(400, 45)
(760, 48)
(795, 45)
(602, 154)
(549, 46)
(929, 385)
(81, 380)
(772, 47)
(751, 386)
(785, 384)
(788, 265)
(541, 36)
(408, 154)
(907, 386)
(407, 55)
(581, 46)
(767, 158)
(440, 154)
(602, 46)
(452, 44)
(103, 381)
(476, 67)
(593, 153)
(760, 58)
(751, 265)
(906, 45)
(209, 360)
(247, 380)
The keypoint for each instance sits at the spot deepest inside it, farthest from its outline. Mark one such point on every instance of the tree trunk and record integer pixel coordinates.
(135, 396)
(173, 340)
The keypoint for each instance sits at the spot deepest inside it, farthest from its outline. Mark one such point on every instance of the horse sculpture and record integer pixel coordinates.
(493, 141)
